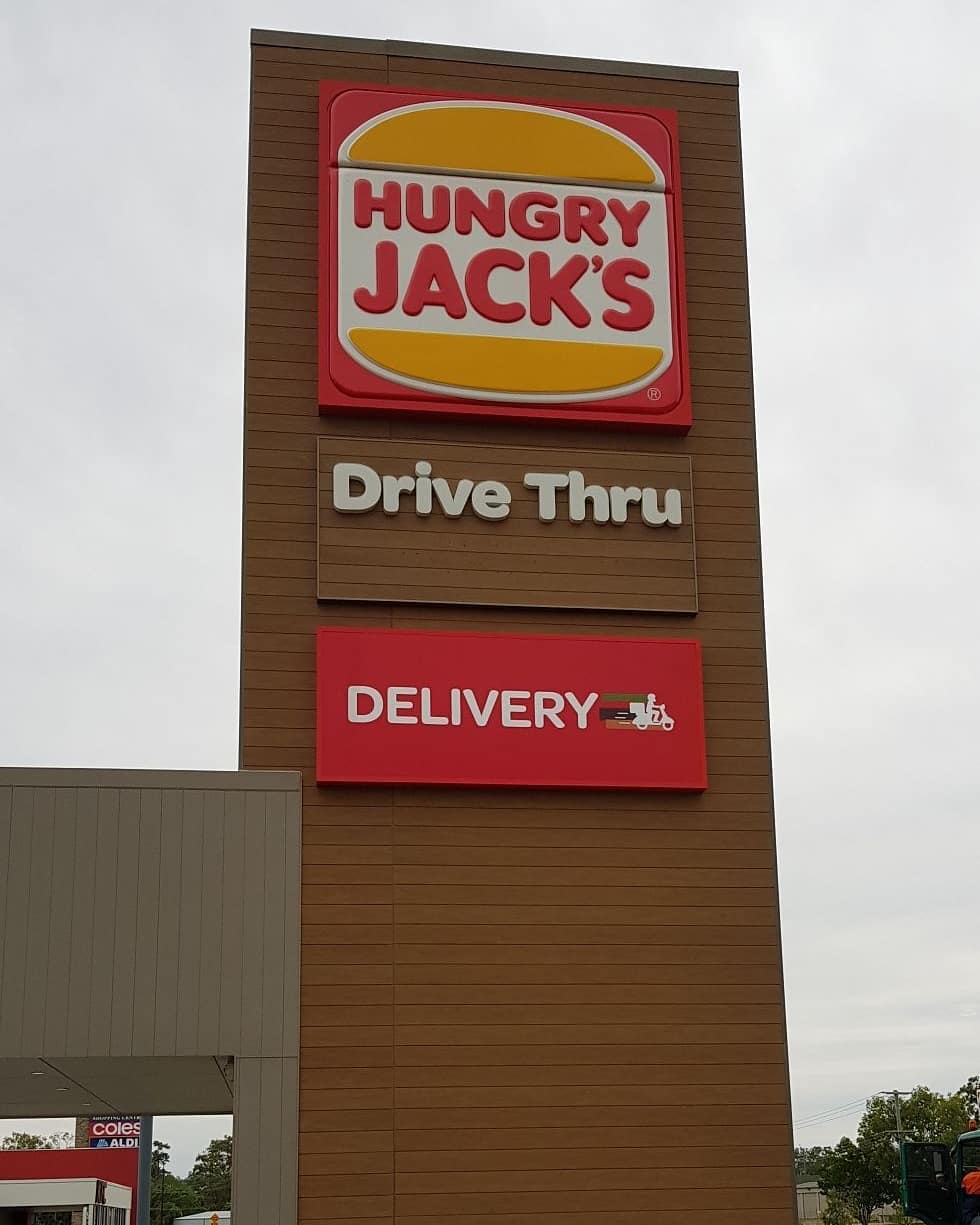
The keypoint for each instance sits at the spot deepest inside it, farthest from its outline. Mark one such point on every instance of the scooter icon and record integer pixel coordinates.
(650, 714)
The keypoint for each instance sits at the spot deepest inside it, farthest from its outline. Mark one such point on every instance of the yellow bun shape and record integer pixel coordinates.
(505, 365)
(502, 140)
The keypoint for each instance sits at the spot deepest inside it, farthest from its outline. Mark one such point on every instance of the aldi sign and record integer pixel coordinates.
(500, 258)
(405, 706)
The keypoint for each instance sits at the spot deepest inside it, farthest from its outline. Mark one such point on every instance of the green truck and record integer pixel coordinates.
(932, 1175)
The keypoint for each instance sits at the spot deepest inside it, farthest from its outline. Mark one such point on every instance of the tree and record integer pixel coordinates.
(836, 1212)
(807, 1162)
(27, 1140)
(170, 1196)
(206, 1188)
(970, 1092)
(159, 1159)
(211, 1175)
(857, 1179)
(932, 1118)
(178, 1199)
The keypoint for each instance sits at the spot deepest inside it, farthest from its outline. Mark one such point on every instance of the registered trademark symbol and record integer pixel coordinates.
(653, 393)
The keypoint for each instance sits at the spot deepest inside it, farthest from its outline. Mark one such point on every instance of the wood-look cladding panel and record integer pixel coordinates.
(517, 561)
(520, 1004)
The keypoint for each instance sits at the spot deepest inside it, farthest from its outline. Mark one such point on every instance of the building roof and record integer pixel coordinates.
(60, 1193)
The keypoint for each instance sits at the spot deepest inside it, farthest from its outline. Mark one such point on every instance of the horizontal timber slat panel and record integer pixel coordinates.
(603, 1079)
(552, 934)
(750, 869)
(602, 1203)
(413, 1121)
(653, 1178)
(637, 1162)
(623, 1054)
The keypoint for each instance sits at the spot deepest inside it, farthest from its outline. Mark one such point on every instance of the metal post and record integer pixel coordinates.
(145, 1162)
(897, 1103)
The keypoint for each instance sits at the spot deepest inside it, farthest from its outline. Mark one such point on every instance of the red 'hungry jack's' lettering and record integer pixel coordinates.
(630, 219)
(478, 285)
(366, 204)
(543, 223)
(555, 289)
(534, 215)
(438, 217)
(441, 278)
(434, 284)
(491, 213)
(616, 282)
(385, 295)
(584, 215)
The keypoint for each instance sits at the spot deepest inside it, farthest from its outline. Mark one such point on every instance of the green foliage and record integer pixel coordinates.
(931, 1118)
(172, 1197)
(807, 1162)
(206, 1189)
(836, 1212)
(160, 1159)
(970, 1092)
(211, 1175)
(23, 1140)
(858, 1178)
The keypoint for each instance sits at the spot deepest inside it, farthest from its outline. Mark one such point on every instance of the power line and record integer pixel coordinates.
(834, 1112)
(846, 1109)
(831, 1118)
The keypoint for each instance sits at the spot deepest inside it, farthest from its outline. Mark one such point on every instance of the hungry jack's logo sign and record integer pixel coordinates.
(401, 706)
(496, 257)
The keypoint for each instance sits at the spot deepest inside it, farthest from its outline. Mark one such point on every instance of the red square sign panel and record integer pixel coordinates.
(403, 706)
(500, 257)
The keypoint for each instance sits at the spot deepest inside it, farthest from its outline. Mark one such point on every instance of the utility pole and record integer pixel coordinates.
(143, 1174)
(897, 1103)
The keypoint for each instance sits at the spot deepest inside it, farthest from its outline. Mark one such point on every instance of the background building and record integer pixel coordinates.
(67, 1187)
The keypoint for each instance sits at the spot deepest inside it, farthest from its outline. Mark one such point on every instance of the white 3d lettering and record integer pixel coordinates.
(358, 488)
(506, 707)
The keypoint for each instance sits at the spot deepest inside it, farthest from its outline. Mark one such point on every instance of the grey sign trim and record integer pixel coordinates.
(193, 780)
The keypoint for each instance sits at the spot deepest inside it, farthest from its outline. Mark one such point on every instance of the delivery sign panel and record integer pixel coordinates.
(500, 258)
(406, 706)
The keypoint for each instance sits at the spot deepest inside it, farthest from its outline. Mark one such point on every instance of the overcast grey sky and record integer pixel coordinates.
(121, 273)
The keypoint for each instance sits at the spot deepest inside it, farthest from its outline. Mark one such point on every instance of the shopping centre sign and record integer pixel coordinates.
(114, 1131)
(405, 706)
(500, 257)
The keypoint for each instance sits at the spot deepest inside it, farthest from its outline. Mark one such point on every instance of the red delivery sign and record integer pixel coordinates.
(494, 710)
